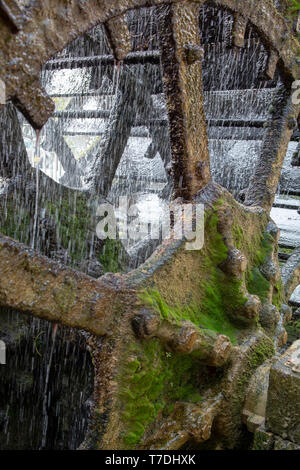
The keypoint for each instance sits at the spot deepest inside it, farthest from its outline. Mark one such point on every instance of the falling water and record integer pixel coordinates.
(48, 382)
(47, 202)
(46, 387)
(46, 398)
(37, 173)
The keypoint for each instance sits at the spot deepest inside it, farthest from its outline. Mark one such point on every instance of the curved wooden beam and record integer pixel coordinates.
(60, 22)
(34, 284)
(279, 129)
(181, 56)
(290, 273)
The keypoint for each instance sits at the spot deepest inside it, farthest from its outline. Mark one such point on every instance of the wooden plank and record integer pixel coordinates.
(182, 80)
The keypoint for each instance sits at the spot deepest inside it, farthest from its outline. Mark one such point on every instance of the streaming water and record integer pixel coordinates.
(46, 387)
(45, 394)
(37, 173)
(108, 138)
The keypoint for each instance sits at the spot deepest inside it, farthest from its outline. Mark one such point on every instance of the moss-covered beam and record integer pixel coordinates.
(160, 389)
(184, 338)
(33, 284)
(187, 422)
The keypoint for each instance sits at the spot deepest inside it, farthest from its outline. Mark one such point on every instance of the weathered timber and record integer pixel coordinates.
(263, 184)
(118, 36)
(205, 345)
(20, 65)
(219, 133)
(107, 155)
(33, 284)
(272, 64)
(55, 142)
(34, 104)
(12, 16)
(239, 30)
(182, 81)
(132, 58)
(71, 114)
(133, 97)
(124, 362)
(105, 114)
(290, 273)
(119, 351)
(187, 422)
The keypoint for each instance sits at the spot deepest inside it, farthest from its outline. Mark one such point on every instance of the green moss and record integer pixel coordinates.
(264, 249)
(112, 257)
(278, 294)
(293, 8)
(163, 378)
(72, 217)
(256, 283)
(293, 330)
(289, 251)
(238, 235)
(155, 380)
(16, 224)
(211, 314)
(216, 248)
(216, 299)
(261, 353)
(258, 355)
